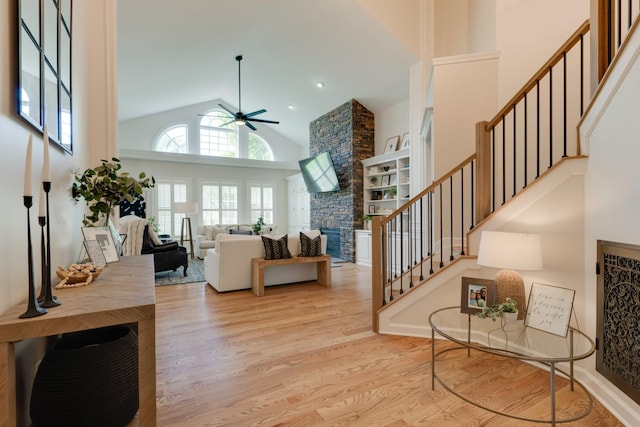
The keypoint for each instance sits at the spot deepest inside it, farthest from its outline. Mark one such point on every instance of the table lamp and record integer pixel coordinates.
(511, 252)
(186, 208)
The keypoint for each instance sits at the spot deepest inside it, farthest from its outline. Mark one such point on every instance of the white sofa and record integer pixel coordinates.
(227, 267)
(205, 237)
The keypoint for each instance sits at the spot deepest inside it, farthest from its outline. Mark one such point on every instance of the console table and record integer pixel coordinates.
(123, 293)
(511, 341)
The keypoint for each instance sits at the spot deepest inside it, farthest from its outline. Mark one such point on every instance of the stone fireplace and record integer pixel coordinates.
(347, 133)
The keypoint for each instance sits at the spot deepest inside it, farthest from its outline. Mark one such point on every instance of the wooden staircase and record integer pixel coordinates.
(428, 235)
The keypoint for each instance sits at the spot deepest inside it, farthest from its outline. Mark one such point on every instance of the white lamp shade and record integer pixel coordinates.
(513, 251)
(185, 207)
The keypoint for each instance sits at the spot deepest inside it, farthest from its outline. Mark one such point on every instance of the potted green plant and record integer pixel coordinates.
(257, 227)
(367, 221)
(507, 309)
(104, 187)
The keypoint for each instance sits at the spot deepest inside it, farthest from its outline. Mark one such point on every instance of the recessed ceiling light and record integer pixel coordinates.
(320, 85)
(292, 107)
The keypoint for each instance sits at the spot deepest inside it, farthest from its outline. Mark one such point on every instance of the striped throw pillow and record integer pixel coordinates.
(276, 248)
(310, 246)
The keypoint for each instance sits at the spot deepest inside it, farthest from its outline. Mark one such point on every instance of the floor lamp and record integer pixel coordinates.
(511, 252)
(186, 208)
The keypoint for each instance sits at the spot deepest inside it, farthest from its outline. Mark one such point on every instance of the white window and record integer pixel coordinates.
(261, 202)
(219, 203)
(218, 135)
(173, 140)
(169, 192)
(258, 148)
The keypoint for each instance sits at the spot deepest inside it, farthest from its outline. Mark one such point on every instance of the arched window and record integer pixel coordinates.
(218, 135)
(173, 140)
(259, 149)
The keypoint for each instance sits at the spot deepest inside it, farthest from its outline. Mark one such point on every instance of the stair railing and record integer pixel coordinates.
(423, 235)
(429, 231)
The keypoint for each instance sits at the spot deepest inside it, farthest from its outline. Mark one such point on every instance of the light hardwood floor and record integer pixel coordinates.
(305, 355)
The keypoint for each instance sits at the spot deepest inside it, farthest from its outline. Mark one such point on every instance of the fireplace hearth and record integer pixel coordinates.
(333, 241)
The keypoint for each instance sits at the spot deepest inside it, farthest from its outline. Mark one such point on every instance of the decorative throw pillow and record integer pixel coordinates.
(209, 233)
(276, 248)
(310, 246)
(247, 232)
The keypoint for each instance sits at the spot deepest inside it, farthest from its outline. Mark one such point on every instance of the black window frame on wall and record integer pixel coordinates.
(44, 68)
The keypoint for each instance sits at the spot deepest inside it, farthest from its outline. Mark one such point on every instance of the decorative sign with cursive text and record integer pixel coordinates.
(549, 308)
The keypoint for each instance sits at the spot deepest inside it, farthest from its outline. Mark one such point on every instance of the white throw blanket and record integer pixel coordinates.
(133, 227)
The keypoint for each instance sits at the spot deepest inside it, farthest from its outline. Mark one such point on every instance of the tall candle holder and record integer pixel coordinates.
(46, 298)
(33, 308)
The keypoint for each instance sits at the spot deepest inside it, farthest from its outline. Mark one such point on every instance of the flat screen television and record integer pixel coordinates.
(319, 174)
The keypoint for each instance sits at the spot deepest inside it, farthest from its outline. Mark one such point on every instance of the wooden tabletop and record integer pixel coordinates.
(124, 292)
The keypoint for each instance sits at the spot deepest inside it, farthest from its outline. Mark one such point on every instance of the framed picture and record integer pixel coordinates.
(95, 253)
(405, 141)
(392, 144)
(476, 294)
(372, 209)
(549, 308)
(385, 180)
(104, 238)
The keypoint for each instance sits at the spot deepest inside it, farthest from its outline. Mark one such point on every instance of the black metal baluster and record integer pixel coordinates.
(537, 128)
(441, 229)
(504, 162)
(550, 116)
(462, 210)
(493, 169)
(473, 202)
(514, 150)
(525, 121)
(564, 104)
(451, 218)
(422, 230)
(431, 231)
(581, 75)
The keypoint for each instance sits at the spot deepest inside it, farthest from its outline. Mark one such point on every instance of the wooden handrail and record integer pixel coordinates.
(430, 188)
(531, 83)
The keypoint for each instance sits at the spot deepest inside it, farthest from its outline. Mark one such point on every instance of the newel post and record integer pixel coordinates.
(377, 269)
(483, 171)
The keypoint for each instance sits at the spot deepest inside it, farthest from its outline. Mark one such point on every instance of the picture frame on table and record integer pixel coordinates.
(406, 141)
(392, 144)
(476, 294)
(549, 308)
(94, 251)
(105, 240)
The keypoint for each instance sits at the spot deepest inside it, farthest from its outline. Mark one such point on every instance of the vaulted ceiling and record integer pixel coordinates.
(173, 54)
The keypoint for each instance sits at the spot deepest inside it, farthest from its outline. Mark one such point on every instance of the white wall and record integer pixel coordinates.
(94, 137)
(612, 195)
(528, 32)
(91, 101)
(393, 121)
(465, 90)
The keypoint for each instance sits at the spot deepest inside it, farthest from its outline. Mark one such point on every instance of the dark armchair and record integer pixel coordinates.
(167, 256)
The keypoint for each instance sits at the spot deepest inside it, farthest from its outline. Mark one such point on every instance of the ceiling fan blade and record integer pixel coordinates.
(255, 113)
(227, 110)
(250, 126)
(264, 121)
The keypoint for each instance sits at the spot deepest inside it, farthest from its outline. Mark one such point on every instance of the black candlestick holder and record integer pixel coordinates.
(46, 298)
(33, 308)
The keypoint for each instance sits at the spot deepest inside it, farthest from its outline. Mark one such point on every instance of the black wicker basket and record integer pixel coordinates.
(88, 378)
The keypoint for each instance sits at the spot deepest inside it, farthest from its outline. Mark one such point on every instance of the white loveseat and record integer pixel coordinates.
(227, 267)
(205, 237)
